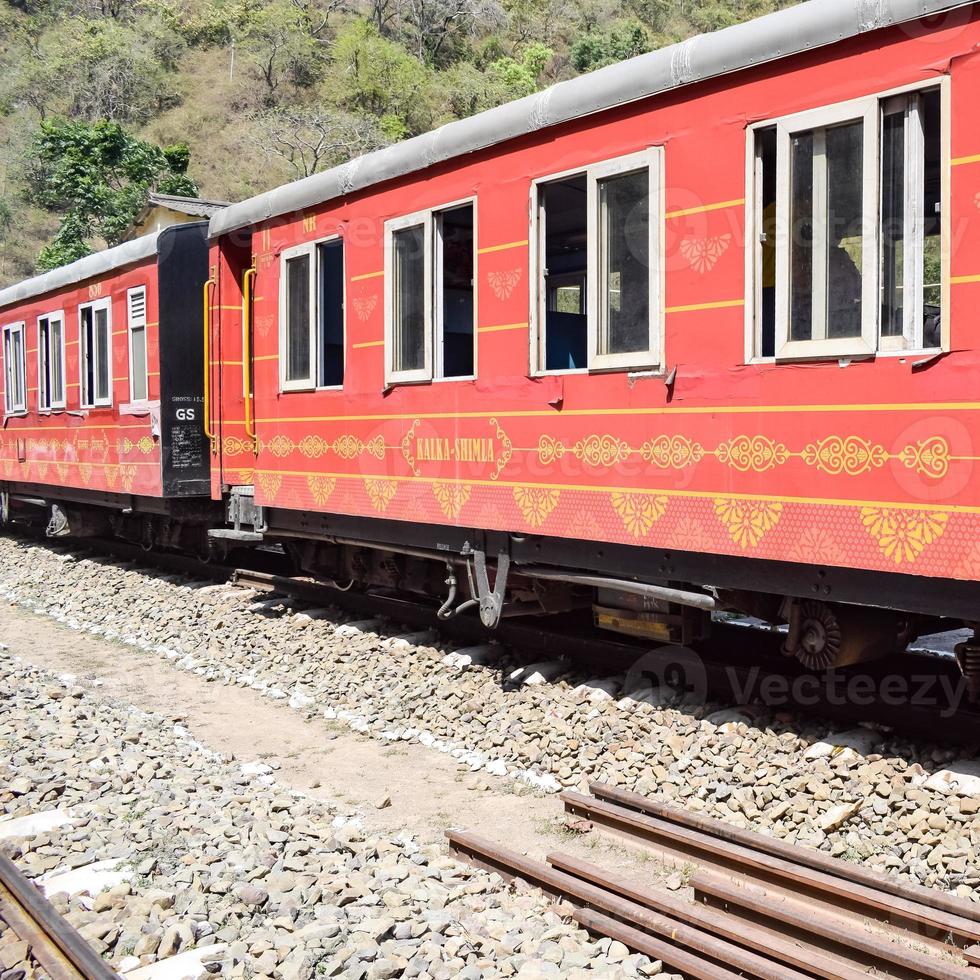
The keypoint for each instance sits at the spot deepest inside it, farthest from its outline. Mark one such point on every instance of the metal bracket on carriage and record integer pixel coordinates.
(490, 601)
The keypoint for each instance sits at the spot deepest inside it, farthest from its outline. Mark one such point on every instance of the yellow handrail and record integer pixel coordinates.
(247, 281)
(208, 430)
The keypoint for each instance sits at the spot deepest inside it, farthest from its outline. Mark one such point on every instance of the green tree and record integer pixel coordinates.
(275, 39)
(595, 49)
(100, 69)
(518, 77)
(371, 74)
(97, 178)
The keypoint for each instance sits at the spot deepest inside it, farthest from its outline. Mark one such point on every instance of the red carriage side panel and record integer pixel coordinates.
(110, 447)
(862, 463)
(105, 439)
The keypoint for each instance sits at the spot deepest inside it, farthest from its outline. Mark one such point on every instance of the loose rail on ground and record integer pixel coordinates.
(762, 907)
(54, 942)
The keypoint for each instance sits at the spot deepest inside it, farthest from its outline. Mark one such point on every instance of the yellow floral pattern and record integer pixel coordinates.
(127, 475)
(748, 521)
(672, 452)
(536, 504)
(270, 484)
(638, 511)
(902, 535)
(702, 254)
(930, 457)
(847, 455)
(321, 488)
(756, 454)
(381, 493)
(452, 497)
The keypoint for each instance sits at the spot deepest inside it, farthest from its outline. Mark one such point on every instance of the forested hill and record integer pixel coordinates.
(103, 100)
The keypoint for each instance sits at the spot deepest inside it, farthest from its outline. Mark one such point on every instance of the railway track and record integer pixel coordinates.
(737, 666)
(760, 907)
(54, 943)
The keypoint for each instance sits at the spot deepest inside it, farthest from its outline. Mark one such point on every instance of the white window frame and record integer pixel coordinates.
(9, 407)
(871, 342)
(312, 249)
(433, 316)
(83, 353)
(652, 159)
(866, 112)
(131, 326)
(60, 402)
(309, 382)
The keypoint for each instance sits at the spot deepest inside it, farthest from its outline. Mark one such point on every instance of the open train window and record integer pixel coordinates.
(847, 219)
(311, 316)
(138, 378)
(51, 362)
(14, 369)
(95, 330)
(598, 257)
(430, 263)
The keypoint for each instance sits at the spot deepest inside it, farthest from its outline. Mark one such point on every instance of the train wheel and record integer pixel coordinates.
(817, 640)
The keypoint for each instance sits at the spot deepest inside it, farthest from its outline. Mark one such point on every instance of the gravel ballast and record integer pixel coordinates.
(156, 847)
(863, 795)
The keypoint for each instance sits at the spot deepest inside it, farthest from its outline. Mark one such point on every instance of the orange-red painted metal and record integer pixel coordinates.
(869, 466)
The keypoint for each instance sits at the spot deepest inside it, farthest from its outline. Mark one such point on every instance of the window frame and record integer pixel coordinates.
(12, 410)
(297, 251)
(312, 249)
(653, 358)
(83, 352)
(865, 111)
(43, 357)
(130, 327)
(433, 313)
(871, 343)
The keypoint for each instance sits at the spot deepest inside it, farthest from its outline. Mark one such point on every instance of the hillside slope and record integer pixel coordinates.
(265, 91)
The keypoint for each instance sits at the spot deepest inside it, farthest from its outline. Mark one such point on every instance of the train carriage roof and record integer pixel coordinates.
(96, 264)
(786, 32)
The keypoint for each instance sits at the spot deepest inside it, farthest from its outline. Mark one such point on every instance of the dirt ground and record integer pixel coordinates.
(429, 792)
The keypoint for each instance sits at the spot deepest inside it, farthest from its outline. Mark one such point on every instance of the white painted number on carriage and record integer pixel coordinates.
(186, 414)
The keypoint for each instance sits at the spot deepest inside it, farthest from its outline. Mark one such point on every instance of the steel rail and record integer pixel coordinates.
(763, 902)
(723, 856)
(54, 942)
(702, 952)
(761, 939)
(818, 860)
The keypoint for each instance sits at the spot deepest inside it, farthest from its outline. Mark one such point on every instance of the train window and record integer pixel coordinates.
(95, 329)
(911, 221)
(51, 362)
(598, 247)
(14, 369)
(297, 319)
(430, 303)
(138, 379)
(454, 264)
(311, 316)
(330, 314)
(847, 218)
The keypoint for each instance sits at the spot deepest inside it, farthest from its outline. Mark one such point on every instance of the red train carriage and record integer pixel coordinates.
(102, 375)
(699, 326)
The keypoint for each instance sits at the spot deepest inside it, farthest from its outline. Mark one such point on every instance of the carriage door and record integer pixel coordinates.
(232, 406)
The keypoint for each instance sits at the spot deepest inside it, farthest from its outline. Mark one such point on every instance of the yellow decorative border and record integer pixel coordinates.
(655, 491)
(704, 208)
(834, 455)
(501, 248)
